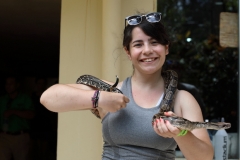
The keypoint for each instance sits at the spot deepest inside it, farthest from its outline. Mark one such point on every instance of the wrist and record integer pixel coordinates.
(182, 133)
(95, 99)
(180, 136)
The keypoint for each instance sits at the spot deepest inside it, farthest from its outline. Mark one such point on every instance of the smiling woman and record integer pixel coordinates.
(146, 44)
(146, 53)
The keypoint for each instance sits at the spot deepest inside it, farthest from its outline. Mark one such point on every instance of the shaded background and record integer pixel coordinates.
(29, 48)
(198, 58)
(29, 37)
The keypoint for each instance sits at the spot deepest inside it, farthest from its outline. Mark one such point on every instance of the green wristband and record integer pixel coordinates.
(182, 133)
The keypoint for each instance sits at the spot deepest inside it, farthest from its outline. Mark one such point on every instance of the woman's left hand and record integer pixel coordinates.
(164, 128)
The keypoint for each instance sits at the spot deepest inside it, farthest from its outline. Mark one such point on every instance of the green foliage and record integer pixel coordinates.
(231, 5)
(201, 61)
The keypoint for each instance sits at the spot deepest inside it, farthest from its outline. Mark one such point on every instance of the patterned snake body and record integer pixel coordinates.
(92, 81)
(95, 82)
(171, 80)
(183, 123)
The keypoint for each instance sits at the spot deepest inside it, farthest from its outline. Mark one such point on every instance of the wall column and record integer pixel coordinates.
(79, 132)
(111, 38)
(90, 43)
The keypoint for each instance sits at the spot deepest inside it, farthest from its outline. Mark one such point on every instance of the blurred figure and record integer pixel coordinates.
(41, 125)
(2, 88)
(16, 109)
(233, 119)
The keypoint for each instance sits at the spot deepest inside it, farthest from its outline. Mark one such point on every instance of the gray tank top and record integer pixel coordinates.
(128, 134)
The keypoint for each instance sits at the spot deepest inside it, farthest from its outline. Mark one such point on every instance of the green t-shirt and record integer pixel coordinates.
(22, 102)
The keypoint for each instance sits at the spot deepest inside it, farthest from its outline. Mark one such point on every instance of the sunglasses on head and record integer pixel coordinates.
(137, 19)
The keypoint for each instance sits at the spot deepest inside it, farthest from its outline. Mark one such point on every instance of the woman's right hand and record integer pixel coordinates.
(112, 102)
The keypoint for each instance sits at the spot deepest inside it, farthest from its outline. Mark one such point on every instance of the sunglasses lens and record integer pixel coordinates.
(153, 17)
(134, 20)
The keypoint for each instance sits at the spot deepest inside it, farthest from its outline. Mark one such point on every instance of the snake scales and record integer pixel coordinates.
(171, 80)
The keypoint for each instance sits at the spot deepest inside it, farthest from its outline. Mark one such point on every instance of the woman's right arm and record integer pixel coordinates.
(71, 97)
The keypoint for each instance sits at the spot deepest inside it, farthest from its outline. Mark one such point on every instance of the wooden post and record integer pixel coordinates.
(228, 29)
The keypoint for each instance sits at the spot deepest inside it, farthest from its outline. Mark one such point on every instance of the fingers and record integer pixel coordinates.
(112, 102)
(126, 99)
(174, 130)
(164, 128)
(169, 113)
(119, 102)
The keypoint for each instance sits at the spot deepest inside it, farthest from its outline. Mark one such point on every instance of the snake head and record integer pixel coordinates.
(226, 125)
(222, 125)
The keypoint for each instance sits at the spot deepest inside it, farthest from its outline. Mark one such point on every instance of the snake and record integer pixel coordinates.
(170, 87)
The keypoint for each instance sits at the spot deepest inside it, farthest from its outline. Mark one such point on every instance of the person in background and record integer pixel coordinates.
(43, 125)
(233, 119)
(126, 118)
(16, 109)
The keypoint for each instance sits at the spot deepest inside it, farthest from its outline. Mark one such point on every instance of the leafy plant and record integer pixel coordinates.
(201, 61)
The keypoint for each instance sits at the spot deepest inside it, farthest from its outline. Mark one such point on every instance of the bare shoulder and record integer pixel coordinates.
(187, 106)
(183, 95)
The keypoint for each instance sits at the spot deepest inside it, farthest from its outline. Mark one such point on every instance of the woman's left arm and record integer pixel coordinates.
(195, 144)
